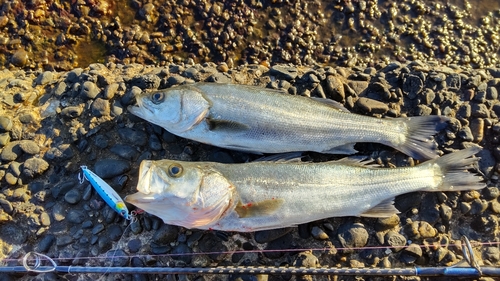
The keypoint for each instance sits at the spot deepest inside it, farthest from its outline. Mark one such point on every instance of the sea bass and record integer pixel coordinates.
(268, 195)
(261, 120)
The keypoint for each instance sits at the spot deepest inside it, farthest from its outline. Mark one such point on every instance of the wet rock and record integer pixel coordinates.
(62, 188)
(29, 147)
(58, 212)
(89, 90)
(284, 72)
(6, 206)
(465, 207)
(34, 166)
(119, 257)
(97, 229)
(100, 107)
(166, 234)
(352, 235)
(76, 216)
(265, 236)
(133, 136)
(491, 193)
(114, 232)
(5, 124)
(64, 240)
(371, 106)
(108, 168)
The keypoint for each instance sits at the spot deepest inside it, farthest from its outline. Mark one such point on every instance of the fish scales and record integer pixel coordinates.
(261, 120)
(266, 195)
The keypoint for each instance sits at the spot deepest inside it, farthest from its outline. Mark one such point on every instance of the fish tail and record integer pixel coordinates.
(450, 171)
(417, 139)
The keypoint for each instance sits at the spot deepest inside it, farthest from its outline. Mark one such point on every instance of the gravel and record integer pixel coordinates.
(42, 199)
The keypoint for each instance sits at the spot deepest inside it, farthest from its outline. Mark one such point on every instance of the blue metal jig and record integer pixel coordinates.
(107, 192)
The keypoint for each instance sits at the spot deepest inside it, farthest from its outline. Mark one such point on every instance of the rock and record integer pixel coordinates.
(210, 243)
(63, 187)
(352, 235)
(133, 136)
(60, 89)
(335, 88)
(119, 257)
(166, 234)
(492, 254)
(486, 162)
(73, 196)
(45, 78)
(125, 151)
(108, 168)
(421, 229)
(395, 240)
(372, 106)
(19, 58)
(76, 216)
(479, 110)
(4, 139)
(265, 236)
(44, 219)
(134, 245)
(11, 151)
(466, 134)
(6, 206)
(100, 107)
(445, 212)
(45, 243)
(412, 85)
(98, 229)
(29, 147)
(175, 79)
(72, 111)
(148, 81)
(478, 206)
(182, 252)
(274, 246)
(284, 72)
(308, 260)
(89, 90)
(60, 152)
(5, 124)
(110, 91)
(34, 166)
(319, 233)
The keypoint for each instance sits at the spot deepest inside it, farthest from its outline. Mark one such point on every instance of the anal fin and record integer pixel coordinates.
(347, 148)
(383, 210)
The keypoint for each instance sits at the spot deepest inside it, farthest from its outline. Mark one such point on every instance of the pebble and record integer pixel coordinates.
(73, 196)
(125, 151)
(6, 206)
(210, 243)
(97, 228)
(34, 167)
(274, 246)
(59, 212)
(371, 105)
(395, 240)
(477, 129)
(110, 91)
(284, 72)
(19, 58)
(64, 240)
(45, 243)
(266, 236)
(182, 252)
(44, 219)
(422, 229)
(76, 216)
(387, 223)
(29, 147)
(72, 111)
(45, 78)
(11, 151)
(108, 168)
(62, 188)
(134, 245)
(5, 124)
(492, 254)
(352, 235)
(89, 90)
(335, 88)
(60, 152)
(120, 257)
(115, 232)
(133, 136)
(166, 234)
(100, 107)
(4, 139)
(319, 233)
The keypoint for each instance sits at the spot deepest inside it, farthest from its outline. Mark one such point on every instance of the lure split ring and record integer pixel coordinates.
(107, 193)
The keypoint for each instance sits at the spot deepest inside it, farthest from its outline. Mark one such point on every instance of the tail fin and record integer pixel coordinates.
(419, 130)
(452, 171)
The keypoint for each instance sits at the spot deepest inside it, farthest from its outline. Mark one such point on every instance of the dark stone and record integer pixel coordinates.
(97, 229)
(352, 235)
(44, 78)
(182, 252)
(210, 243)
(133, 136)
(63, 187)
(73, 196)
(64, 240)
(125, 151)
(155, 143)
(395, 240)
(76, 216)
(284, 72)
(265, 236)
(371, 105)
(108, 168)
(115, 232)
(282, 243)
(148, 81)
(60, 153)
(134, 245)
(45, 243)
(119, 257)
(166, 234)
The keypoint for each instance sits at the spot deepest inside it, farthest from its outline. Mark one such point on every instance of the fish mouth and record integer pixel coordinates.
(140, 197)
(141, 108)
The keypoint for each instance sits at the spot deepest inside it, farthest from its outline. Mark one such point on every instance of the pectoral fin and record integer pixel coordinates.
(255, 209)
(226, 126)
(383, 210)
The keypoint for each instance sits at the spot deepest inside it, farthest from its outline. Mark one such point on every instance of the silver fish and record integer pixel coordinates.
(261, 120)
(267, 195)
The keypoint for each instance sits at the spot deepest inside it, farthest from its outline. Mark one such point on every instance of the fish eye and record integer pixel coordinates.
(157, 98)
(175, 170)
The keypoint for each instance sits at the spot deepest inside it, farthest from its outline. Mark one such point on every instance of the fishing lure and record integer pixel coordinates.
(107, 192)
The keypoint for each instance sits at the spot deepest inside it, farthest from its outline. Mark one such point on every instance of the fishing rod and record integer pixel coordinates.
(469, 267)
